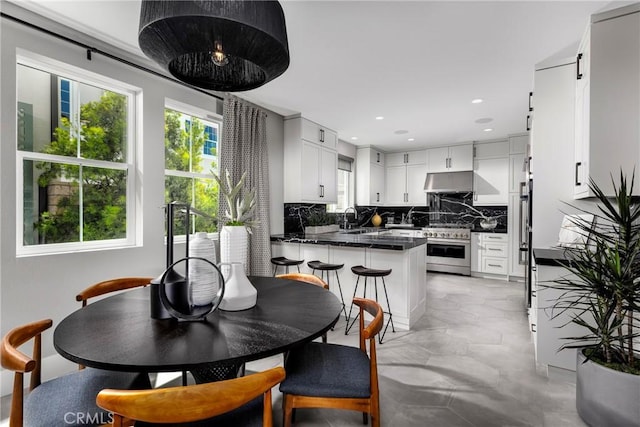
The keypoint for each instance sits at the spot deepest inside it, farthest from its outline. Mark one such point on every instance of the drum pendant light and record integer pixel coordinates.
(226, 46)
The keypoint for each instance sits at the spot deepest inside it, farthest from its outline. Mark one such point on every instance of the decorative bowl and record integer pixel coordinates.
(489, 223)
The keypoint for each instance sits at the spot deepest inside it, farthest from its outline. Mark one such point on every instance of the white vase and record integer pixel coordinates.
(203, 278)
(239, 293)
(233, 245)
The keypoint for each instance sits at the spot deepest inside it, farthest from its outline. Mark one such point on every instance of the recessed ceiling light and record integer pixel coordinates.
(411, 139)
(379, 118)
(476, 101)
(401, 132)
(484, 120)
(354, 138)
(487, 130)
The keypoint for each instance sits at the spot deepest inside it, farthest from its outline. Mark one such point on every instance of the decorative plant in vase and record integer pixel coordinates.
(234, 242)
(602, 296)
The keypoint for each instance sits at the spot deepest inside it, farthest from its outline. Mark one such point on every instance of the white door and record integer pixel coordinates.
(438, 159)
(416, 175)
(376, 185)
(396, 182)
(310, 185)
(491, 181)
(461, 158)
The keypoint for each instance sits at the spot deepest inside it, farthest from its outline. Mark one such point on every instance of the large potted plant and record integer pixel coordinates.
(602, 296)
(238, 219)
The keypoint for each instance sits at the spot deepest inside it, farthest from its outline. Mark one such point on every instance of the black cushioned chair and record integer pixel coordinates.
(336, 376)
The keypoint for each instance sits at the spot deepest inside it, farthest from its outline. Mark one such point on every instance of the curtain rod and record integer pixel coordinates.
(91, 50)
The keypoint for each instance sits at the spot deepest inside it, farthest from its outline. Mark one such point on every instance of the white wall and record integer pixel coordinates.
(33, 288)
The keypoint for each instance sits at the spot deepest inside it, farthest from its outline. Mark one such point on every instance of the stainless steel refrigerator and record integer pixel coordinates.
(526, 226)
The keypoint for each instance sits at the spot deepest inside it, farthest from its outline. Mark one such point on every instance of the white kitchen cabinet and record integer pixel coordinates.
(405, 185)
(518, 143)
(454, 158)
(550, 332)
(318, 134)
(490, 150)
(489, 254)
(406, 158)
(370, 180)
(607, 104)
(406, 285)
(491, 182)
(310, 167)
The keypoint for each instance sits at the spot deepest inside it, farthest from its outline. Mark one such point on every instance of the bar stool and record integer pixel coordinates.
(365, 272)
(326, 268)
(281, 261)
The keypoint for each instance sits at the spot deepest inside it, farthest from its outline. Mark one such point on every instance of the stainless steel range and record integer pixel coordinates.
(448, 248)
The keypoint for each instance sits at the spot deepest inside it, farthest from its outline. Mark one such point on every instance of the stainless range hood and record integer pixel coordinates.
(449, 182)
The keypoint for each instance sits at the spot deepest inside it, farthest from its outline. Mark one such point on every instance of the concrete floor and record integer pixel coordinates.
(468, 362)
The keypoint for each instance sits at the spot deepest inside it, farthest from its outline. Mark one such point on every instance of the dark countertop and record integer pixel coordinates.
(353, 240)
(550, 256)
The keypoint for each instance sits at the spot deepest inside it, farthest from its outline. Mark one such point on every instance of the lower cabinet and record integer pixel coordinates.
(406, 285)
(490, 253)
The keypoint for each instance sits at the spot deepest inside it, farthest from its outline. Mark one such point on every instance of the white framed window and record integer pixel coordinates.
(346, 193)
(76, 137)
(191, 141)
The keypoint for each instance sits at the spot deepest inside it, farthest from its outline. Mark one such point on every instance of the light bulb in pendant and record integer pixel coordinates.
(218, 56)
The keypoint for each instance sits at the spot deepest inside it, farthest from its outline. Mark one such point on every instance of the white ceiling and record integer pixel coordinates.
(417, 63)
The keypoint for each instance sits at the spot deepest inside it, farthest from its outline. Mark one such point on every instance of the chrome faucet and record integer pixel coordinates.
(345, 220)
(409, 218)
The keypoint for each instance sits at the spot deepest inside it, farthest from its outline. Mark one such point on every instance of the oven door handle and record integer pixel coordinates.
(448, 241)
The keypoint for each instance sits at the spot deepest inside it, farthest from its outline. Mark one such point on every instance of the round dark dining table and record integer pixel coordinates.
(118, 333)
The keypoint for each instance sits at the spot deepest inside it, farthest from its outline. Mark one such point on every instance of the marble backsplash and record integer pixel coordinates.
(442, 209)
(459, 209)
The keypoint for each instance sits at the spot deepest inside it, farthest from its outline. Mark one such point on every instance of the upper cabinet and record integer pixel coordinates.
(404, 178)
(310, 162)
(491, 174)
(454, 158)
(607, 135)
(369, 177)
(317, 134)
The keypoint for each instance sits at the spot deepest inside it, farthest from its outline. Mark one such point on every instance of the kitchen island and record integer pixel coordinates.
(406, 256)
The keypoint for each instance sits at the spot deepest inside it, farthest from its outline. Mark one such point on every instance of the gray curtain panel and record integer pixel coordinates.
(244, 148)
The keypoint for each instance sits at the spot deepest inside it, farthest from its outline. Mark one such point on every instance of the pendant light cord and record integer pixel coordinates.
(90, 50)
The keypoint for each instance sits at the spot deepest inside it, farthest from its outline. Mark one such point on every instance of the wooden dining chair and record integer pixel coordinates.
(243, 401)
(66, 400)
(307, 278)
(111, 285)
(323, 375)
(108, 286)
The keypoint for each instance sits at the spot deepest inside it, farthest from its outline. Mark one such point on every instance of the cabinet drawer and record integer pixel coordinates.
(494, 238)
(494, 265)
(497, 250)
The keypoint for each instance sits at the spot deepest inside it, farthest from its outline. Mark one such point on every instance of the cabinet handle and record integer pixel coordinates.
(494, 249)
(406, 197)
(406, 157)
(533, 294)
(578, 73)
(578, 164)
(377, 197)
(494, 265)
(321, 190)
(377, 157)
(530, 99)
(528, 122)
(533, 327)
